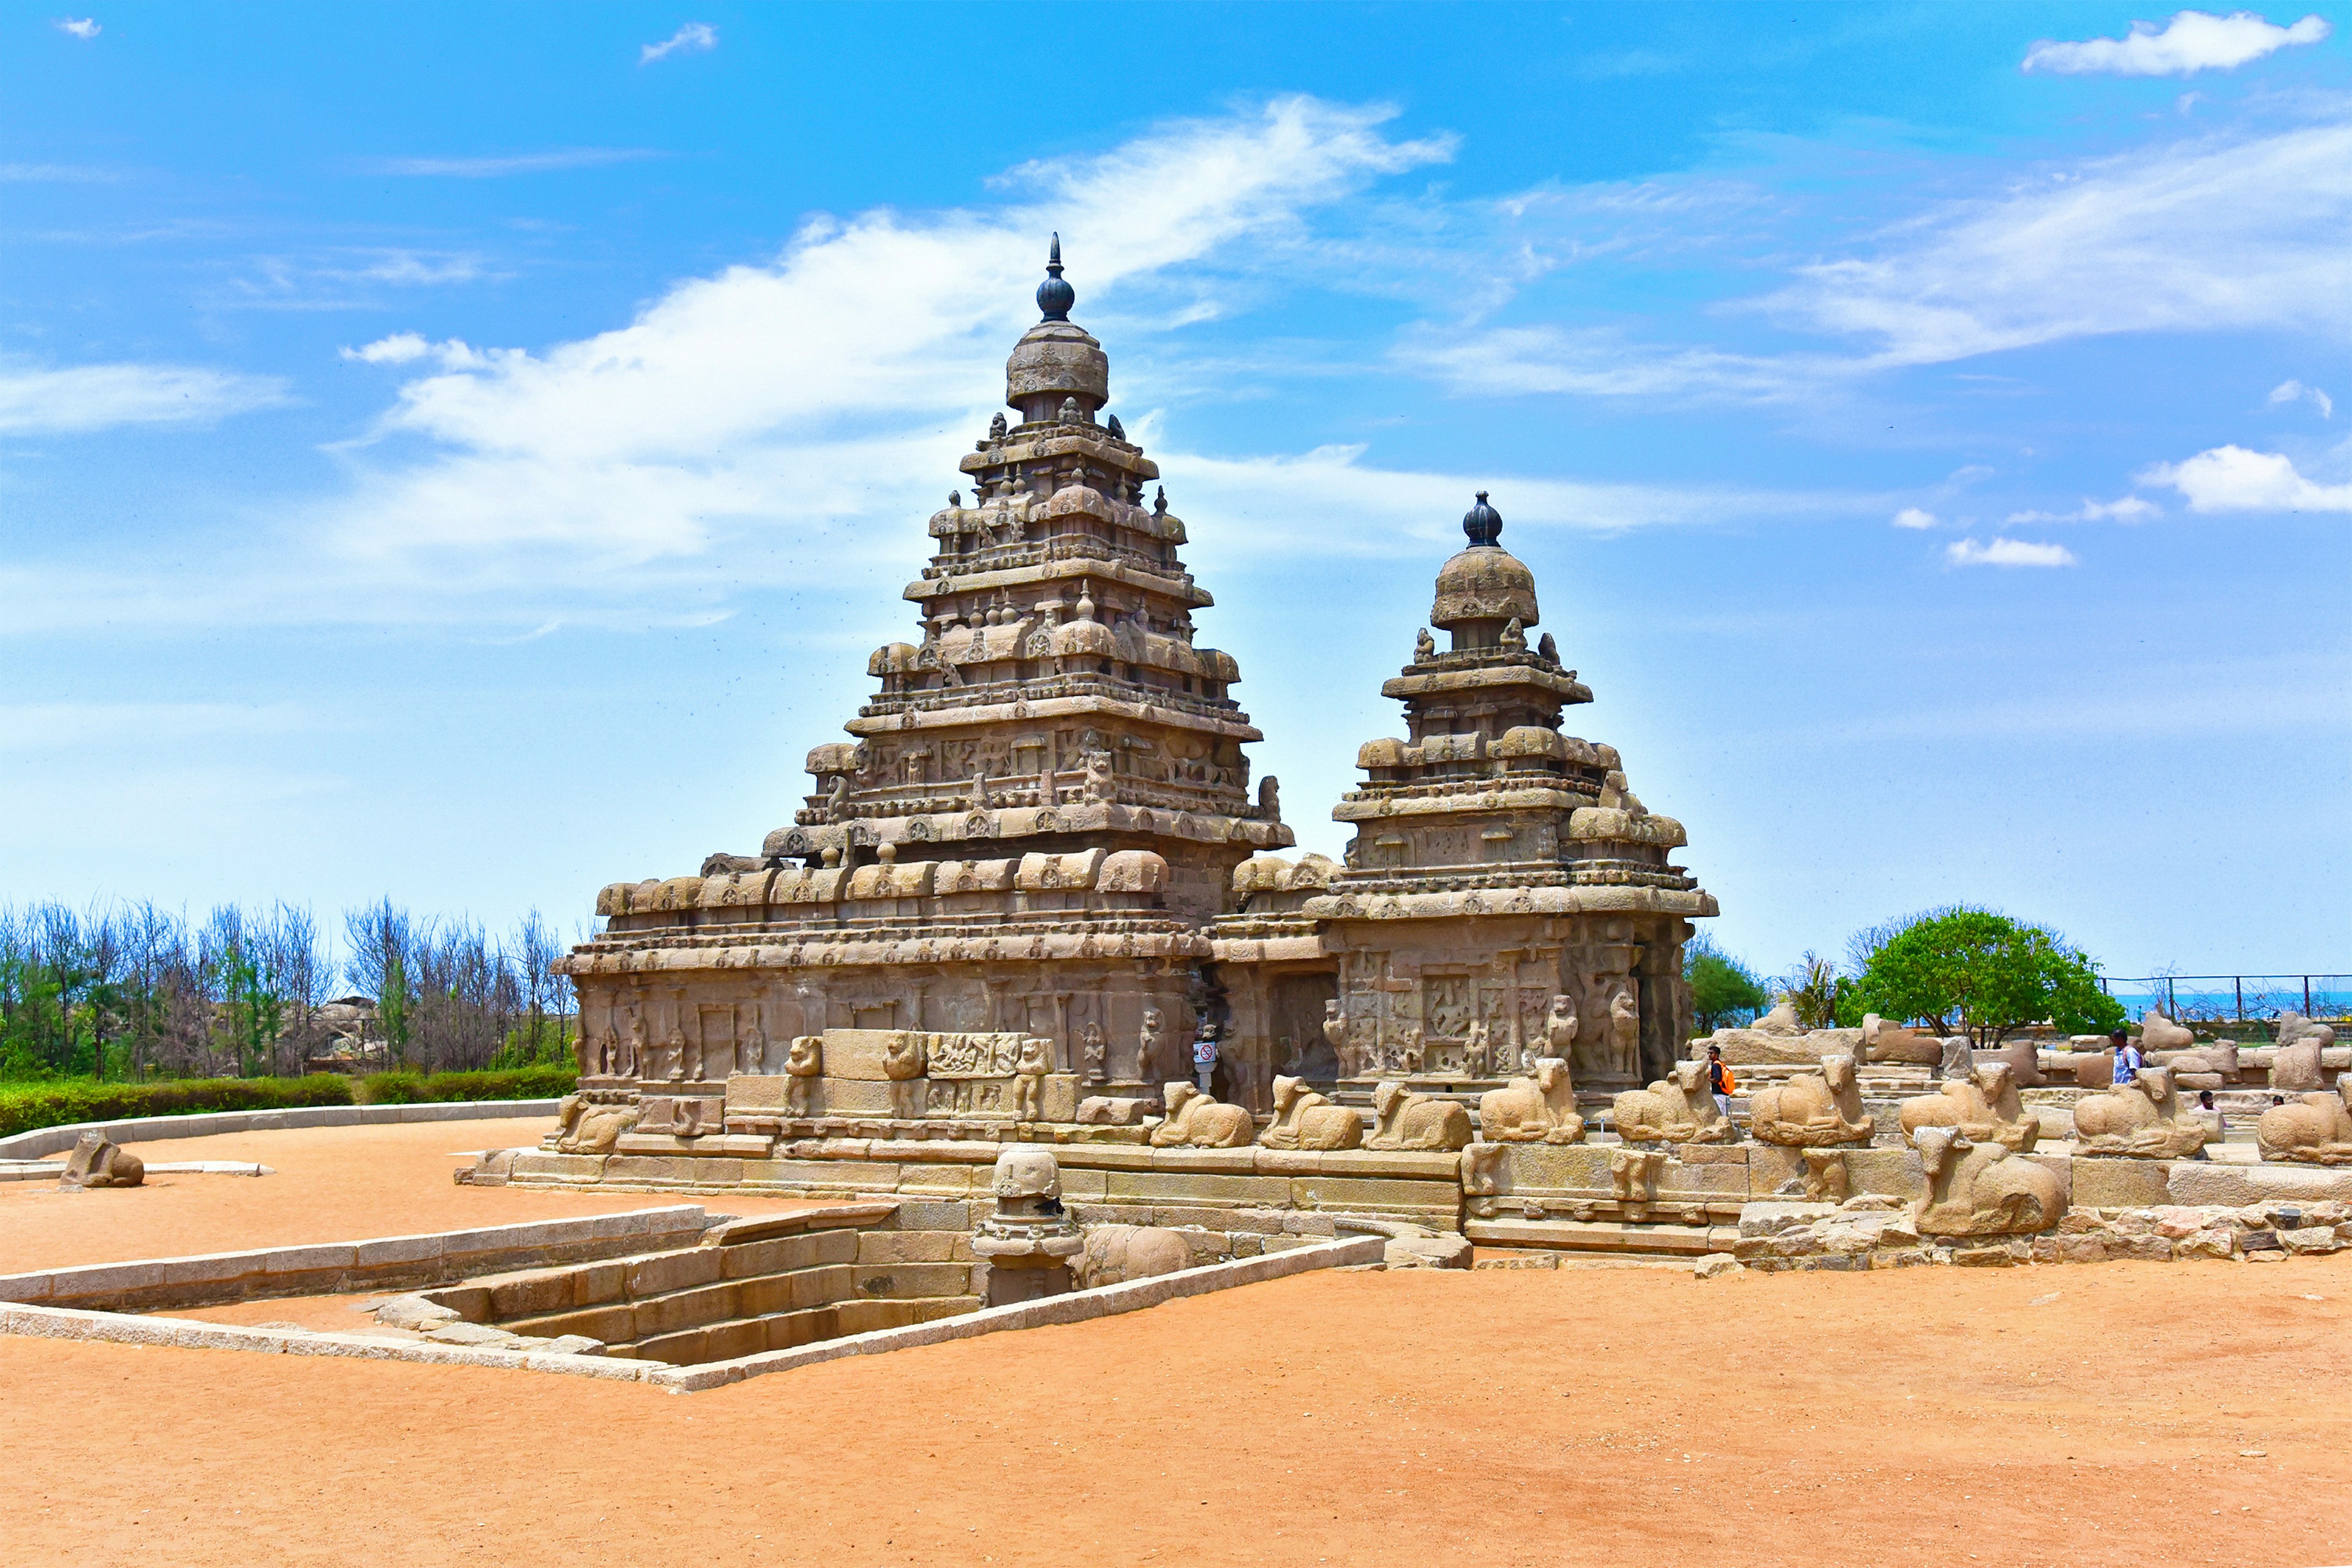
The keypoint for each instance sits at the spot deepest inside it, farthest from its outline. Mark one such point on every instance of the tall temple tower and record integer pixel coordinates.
(1039, 811)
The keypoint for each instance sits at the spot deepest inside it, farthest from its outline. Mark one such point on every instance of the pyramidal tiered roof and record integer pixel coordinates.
(1056, 699)
(1487, 807)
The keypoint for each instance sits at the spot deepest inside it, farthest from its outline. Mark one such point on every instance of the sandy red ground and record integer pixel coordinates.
(2115, 1414)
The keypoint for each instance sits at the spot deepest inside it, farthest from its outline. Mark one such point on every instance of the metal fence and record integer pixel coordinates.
(2253, 1000)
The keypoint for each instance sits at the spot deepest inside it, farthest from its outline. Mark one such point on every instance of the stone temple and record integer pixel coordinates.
(1036, 877)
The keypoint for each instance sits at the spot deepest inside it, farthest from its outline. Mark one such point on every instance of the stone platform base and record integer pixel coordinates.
(1121, 1182)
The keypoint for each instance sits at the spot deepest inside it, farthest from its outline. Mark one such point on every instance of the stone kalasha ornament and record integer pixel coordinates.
(1984, 1109)
(1194, 1120)
(1677, 1109)
(1812, 1110)
(1540, 1109)
(99, 1162)
(1029, 1239)
(1408, 1120)
(2315, 1130)
(1981, 1189)
(2142, 1119)
(1304, 1119)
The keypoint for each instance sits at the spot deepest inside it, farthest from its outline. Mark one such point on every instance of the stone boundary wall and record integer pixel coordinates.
(1077, 1307)
(114, 1328)
(45, 1140)
(387, 1263)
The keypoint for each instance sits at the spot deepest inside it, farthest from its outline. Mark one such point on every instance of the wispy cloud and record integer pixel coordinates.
(2128, 508)
(2007, 552)
(2296, 391)
(496, 166)
(78, 173)
(1511, 361)
(2204, 236)
(2233, 479)
(692, 38)
(2193, 41)
(100, 397)
(85, 28)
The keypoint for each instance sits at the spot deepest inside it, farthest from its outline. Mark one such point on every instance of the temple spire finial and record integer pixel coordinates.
(1055, 297)
(1481, 523)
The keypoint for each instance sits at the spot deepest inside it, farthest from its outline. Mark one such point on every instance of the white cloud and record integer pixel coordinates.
(1596, 363)
(2126, 509)
(770, 397)
(2294, 391)
(2231, 479)
(84, 28)
(2204, 236)
(2007, 552)
(489, 168)
(100, 397)
(1275, 504)
(1914, 517)
(692, 37)
(2193, 41)
(398, 349)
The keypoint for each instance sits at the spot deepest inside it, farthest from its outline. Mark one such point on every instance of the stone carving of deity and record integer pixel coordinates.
(1147, 1044)
(751, 1046)
(1091, 1053)
(633, 1050)
(1335, 1029)
(1624, 1033)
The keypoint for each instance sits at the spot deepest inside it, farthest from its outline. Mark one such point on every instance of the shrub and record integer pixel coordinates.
(1990, 974)
(440, 1088)
(1723, 990)
(54, 1101)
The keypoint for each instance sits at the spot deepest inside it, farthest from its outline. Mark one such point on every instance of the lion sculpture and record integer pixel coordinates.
(98, 1161)
(1983, 1106)
(581, 1128)
(2315, 1130)
(1537, 1110)
(1676, 1109)
(1981, 1189)
(1305, 1120)
(2141, 1120)
(1196, 1121)
(1409, 1121)
(1813, 1110)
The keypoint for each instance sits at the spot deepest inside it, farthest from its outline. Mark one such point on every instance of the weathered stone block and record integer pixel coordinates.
(759, 1092)
(2103, 1184)
(669, 1271)
(857, 1096)
(1345, 1192)
(1174, 1186)
(531, 1295)
(945, 1216)
(2208, 1181)
(901, 1280)
(820, 1286)
(904, 1246)
(858, 1055)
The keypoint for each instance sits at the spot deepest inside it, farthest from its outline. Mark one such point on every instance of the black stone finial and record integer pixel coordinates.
(1481, 523)
(1054, 296)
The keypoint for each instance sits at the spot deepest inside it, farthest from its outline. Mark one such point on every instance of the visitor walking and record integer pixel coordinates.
(1719, 1081)
(2127, 1056)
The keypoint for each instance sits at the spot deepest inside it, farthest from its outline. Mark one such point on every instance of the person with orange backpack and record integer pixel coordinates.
(1719, 1081)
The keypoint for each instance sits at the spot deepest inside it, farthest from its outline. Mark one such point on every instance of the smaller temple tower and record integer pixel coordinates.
(1506, 896)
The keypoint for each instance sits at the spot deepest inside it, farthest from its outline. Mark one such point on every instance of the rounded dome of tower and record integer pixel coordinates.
(1484, 583)
(1057, 359)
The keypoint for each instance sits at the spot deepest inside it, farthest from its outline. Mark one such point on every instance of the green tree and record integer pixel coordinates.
(1988, 974)
(1723, 990)
(1820, 996)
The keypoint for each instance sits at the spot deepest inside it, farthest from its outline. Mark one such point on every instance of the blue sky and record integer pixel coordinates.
(465, 453)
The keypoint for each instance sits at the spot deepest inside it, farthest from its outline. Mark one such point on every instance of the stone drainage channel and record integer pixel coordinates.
(674, 1297)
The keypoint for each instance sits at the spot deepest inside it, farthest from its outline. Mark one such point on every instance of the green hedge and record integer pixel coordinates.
(423, 1088)
(51, 1101)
